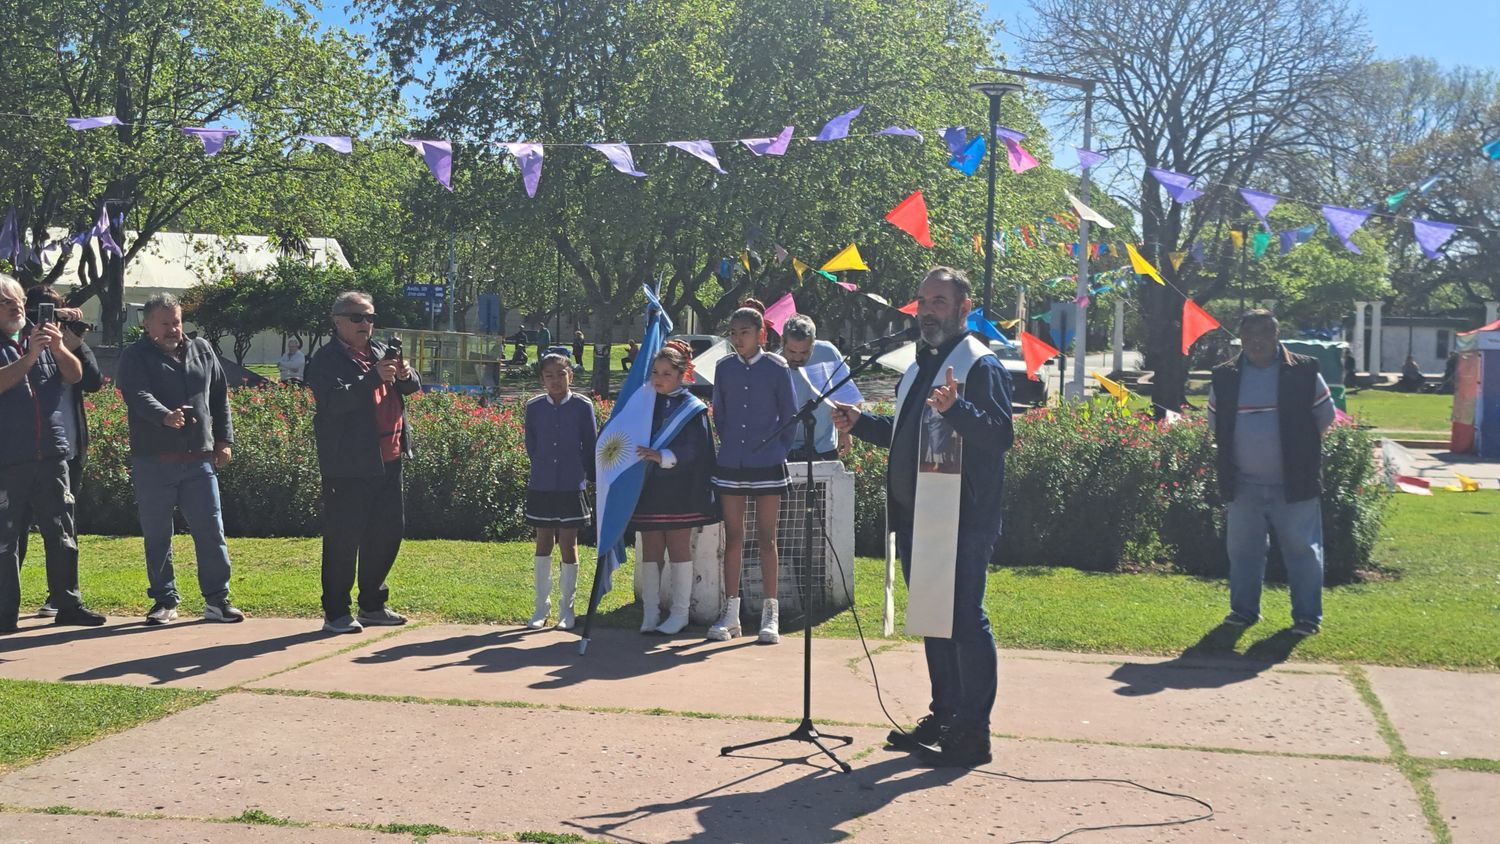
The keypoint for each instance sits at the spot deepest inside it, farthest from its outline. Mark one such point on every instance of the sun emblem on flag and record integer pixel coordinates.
(613, 450)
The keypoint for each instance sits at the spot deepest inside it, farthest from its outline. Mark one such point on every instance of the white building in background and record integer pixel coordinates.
(174, 261)
(1381, 343)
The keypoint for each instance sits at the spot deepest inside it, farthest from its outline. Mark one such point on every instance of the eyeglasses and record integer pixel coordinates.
(358, 318)
(12, 303)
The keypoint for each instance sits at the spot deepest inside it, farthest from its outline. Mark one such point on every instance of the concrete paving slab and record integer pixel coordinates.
(1441, 713)
(622, 669)
(639, 778)
(192, 653)
(1470, 804)
(24, 828)
(1156, 701)
(1175, 702)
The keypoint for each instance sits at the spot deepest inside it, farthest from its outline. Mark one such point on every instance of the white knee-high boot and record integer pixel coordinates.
(650, 595)
(568, 586)
(681, 575)
(542, 570)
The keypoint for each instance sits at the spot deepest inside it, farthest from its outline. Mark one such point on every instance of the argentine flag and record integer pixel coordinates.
(619, 472)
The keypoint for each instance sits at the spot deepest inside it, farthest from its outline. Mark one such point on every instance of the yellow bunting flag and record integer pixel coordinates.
(800, 268)
(1177, 258)
(1237, 238)
(1140, 265)
(1008, 323)
(1465, 484)
(846, 260)
(1121, 394)
(745, 259)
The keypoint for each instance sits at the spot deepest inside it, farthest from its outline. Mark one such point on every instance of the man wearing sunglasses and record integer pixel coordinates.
(360, 385)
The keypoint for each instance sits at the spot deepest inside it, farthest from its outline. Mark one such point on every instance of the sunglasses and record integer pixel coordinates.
(358, 318)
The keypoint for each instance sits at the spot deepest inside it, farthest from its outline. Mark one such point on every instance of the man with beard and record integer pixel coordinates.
(954, 518)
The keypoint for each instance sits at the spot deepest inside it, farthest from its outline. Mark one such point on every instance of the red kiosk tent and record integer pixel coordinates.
(1476, 393)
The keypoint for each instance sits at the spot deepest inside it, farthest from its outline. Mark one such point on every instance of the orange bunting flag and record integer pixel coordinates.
(1036, 353)
(911, 217)
(1140, 265)
(1196, 322)
(910, 308)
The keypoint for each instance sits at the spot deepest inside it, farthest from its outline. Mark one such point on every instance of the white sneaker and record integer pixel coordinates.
(682, 599)
(542, 574)
(650, 596)
(728, 625)
(770, 628)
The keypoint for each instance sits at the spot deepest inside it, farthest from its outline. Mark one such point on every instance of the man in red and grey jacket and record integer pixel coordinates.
(34, 364)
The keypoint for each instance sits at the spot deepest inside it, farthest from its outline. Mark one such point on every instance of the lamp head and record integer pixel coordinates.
(996, 89)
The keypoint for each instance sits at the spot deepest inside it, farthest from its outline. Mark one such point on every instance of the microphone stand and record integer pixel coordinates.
(806, 731)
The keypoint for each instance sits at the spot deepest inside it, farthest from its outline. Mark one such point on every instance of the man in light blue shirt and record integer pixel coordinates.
(804, 353)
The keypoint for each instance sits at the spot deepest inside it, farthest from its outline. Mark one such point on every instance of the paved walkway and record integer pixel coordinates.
(490, 732)
(1439, 466)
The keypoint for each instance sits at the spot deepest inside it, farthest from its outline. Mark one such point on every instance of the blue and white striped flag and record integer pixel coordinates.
(619, 472)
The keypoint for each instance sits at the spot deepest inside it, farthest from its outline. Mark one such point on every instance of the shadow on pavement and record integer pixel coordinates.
(1210, 663)
(171, 667)
(807, 810)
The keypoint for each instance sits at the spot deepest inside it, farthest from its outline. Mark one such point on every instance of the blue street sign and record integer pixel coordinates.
(425, 291)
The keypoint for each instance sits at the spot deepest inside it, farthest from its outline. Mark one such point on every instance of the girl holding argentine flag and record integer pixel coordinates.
(677, 495)
(753, 401)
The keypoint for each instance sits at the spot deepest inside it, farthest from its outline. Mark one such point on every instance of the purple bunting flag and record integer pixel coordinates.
(78, 124)
(101, 231)
(529, 156)
(956, 137)
(10, 237)
(338, 143)
(1088, 158)
(1178, 185)
(699, 149)
(1196, 252)
(838, 127)
(1431, 236)
(897, 130)
(770, 146)
(1016, 155)
(1261, 204)
(439, 158)
(1344, 222)
(781, 254)
(1288, 240)
(619, 155)
(213, 139)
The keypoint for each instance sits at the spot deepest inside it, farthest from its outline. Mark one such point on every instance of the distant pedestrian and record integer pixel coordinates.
(543, 340)
(578, 345)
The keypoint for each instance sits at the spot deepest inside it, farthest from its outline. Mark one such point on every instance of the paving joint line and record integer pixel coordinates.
(1412, 768)
(279, 822)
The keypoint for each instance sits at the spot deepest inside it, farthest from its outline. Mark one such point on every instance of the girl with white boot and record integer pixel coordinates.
(677, 495)
(560, 432)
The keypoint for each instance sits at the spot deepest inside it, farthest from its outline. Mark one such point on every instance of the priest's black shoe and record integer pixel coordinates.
(926, 734)
(958, 748)
(80, 616)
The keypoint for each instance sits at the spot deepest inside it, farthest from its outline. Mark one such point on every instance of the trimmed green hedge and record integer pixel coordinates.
(1089, 486)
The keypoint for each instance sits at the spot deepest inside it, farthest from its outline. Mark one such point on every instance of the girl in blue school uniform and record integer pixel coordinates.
(753, 400)
(677, 495)
(560, 432)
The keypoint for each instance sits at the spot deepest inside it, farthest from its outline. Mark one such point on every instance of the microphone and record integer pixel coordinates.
(911, 333)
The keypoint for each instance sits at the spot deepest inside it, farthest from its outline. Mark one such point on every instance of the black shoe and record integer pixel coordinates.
(927, 733)
(959, 748)
(79, 616)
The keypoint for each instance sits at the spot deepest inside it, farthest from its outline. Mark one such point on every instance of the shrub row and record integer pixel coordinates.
(1087, 485)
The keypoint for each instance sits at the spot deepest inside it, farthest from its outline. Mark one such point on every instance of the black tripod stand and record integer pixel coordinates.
(806, 731)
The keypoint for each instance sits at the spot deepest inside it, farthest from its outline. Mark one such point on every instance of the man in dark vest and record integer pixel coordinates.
(1269, 409)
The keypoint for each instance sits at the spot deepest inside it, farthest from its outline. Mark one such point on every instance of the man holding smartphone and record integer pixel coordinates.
(34, 364)
(180, 436)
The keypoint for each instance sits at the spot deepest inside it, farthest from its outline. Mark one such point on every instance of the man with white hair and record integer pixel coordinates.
(34, 365)
(805, 353)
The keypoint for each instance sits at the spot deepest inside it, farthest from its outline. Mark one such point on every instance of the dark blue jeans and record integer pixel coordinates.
(962, 669)
(37, 490)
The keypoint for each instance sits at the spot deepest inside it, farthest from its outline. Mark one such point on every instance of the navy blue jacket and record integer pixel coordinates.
(982, 416)
(750, 401)
(29, 426)
(560, 442)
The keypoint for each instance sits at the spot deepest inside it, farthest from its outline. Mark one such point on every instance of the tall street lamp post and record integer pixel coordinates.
(995, 91)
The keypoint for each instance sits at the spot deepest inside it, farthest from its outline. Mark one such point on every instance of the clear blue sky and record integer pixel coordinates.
(1454, 32)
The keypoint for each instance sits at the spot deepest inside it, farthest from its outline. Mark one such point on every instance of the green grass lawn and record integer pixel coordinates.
(44, 718)
(1402, 412)
(1436, 602)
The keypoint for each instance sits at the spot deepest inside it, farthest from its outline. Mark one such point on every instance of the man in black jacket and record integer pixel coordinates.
(70, 411)
(180, 436)
(34, 365)
(359, 385)
(1269, 409)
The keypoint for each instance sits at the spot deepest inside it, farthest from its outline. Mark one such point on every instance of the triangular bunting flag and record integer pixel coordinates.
(1431, 236)
(1086, 212)
(529, 156)
(1036, 352)
(911, 217)
(910, 308)
(1019, 159)
(1088, 158)
(838, 127)
(1140, 265)
(1178, 185)
(770, 146)
(1176, 258)
(1196, 322)
(1121, 394)
(848, 259)
(1260, 203)
(967, 160)
(620, 156)
(801, 268)
(1344, 222)
(439, 158)
(779, 311)
(703, 150)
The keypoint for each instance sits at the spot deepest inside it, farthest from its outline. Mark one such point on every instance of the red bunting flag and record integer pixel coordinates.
(1036, 352)
(911, 217)
(910, 308)
(1196, 322)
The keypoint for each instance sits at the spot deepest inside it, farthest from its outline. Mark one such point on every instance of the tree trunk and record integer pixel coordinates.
(1162, 310)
